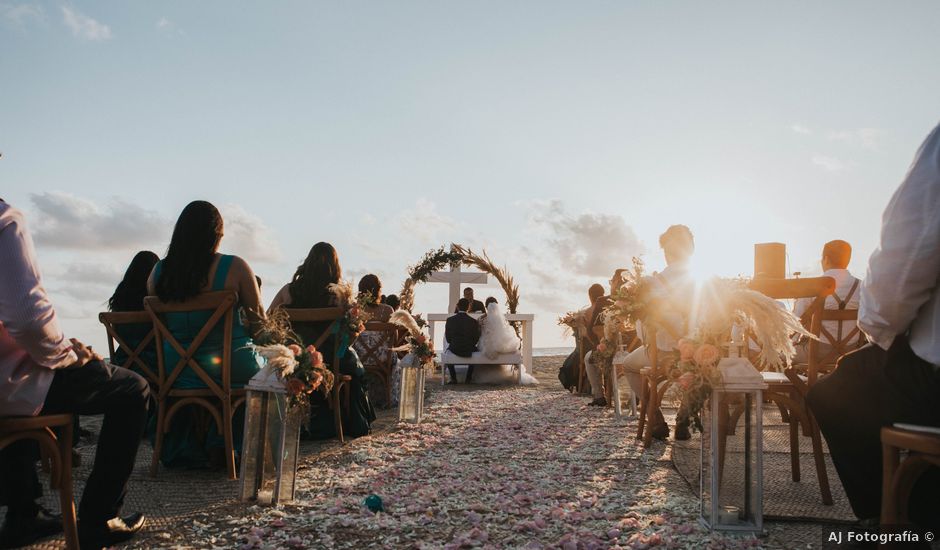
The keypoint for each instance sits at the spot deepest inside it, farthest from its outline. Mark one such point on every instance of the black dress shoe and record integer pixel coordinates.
(682, 432)
(599, 402)
(114, 531)
(18, 531)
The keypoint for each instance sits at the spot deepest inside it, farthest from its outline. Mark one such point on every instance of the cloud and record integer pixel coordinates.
(85, 27)
(425, 223)
(800, 129)
(867, 138)
(69, 222)
(20, 14)
(247, 236)
(589, 244)
(830, 164)
(167, 26)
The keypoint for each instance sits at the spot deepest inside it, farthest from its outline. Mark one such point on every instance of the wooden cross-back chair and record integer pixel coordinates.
(787, 390)
(899, 477)
(656, 383)
(56, 453)
(220, 399)
(328, 316)
(377, 356)
(112, 322)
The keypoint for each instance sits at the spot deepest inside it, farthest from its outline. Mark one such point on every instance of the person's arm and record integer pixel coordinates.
(903, 271)
(282, 299)
(249, 295)
(25, 310)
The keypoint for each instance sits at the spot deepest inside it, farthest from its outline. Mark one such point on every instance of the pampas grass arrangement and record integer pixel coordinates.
(486, 265)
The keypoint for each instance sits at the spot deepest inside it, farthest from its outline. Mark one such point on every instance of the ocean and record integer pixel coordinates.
(550, 352)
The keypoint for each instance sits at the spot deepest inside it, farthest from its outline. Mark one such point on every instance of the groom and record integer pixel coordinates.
(462, 333)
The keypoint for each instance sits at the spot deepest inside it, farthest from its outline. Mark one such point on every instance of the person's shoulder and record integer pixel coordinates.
(238, 262)
(9, 214)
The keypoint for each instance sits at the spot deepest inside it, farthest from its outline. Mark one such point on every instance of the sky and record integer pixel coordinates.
(560, 137)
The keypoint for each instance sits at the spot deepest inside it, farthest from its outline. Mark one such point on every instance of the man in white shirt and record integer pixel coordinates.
(43, 372)
(897, 378)
(672, 292)
(836, 256)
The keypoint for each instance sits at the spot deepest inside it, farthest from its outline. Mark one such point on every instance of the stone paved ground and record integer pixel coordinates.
(491, 467)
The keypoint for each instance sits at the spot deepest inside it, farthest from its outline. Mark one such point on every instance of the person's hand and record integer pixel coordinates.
(84, 353)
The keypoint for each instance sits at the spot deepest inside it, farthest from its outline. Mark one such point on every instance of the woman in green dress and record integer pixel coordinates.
(193, 266)
(308, 289)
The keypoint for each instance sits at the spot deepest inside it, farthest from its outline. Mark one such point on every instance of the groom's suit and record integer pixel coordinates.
(462, 333)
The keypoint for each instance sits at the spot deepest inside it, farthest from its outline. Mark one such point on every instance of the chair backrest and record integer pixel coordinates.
(111, 322)
(824, 353)
(222, 305)
(326, 315)
(378, 352)
(817, 288)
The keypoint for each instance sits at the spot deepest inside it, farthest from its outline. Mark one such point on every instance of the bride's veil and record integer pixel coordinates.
(497, 336)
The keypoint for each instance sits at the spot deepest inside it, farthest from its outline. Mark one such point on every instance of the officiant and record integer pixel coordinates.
(476, 306)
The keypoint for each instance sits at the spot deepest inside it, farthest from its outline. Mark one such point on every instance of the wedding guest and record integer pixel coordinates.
(462, 333)
(476, 306)
(835, 262)
(897, 377)
(392, 301)
(377, 345)
(599, 302)
(569, 372)
(308, 289)
(43, 372)
(129, 296)
(672, 292)
(193, 266)
(371, 285)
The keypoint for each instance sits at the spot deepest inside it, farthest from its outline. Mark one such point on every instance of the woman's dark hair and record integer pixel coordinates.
(370, 283)
(489, 301)
(392, 300)
(196, 237)
(130, 292)
(319, 270)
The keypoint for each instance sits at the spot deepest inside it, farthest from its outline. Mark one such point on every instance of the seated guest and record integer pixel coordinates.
(377, 344)
(43, 372)
(897, 377)
(129, 296)
(835, 262)
(569, 372)
(308, 289)
(672, 293)
(392, 301)
(462, 333)
(593, 318)
(476, 306)
(193, 266)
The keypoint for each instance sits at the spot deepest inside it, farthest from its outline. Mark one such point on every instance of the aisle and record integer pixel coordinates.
(520, 467)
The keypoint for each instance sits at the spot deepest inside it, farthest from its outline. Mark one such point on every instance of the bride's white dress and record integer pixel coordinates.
(498, 337)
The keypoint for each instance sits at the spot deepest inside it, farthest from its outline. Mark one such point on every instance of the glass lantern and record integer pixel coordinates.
(272, 440)
(411, 399)
(731, 486)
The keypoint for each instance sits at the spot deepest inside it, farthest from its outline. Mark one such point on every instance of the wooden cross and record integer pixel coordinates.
(455, 277)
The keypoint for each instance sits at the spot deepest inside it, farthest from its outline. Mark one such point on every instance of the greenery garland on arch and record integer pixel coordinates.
(438, 259)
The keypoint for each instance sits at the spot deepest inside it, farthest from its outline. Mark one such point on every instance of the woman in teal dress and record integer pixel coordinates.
(193, 266)
(308, 289)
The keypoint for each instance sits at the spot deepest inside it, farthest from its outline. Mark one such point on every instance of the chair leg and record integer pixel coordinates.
(337, 415)
(229, 438)
(794, 445)
(821, 474)
(644, 408)
(889, 504)
(66, 500)
(654, 405)
(158, 442)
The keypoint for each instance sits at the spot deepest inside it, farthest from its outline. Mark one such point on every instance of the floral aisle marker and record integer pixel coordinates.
(720, 306)
(414, 367)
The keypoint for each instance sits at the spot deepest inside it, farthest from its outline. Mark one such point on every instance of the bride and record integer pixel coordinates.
(498, 337)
